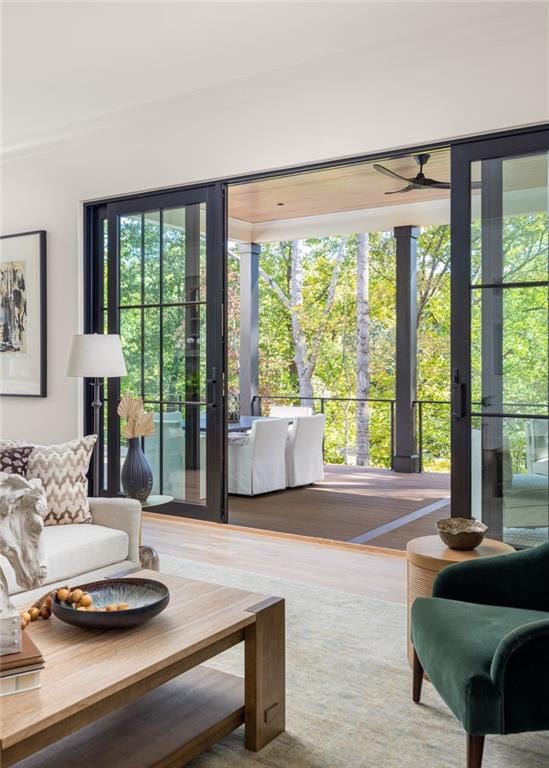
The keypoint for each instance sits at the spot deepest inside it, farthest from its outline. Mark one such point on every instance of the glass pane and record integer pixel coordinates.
(510, 491)
(163, 330)
(184, 353)
(509, 366)
(130, 259)
(509, 230)
(151, 353)
(184, 254)
(130, 334)
(151, 266)
(180, 436)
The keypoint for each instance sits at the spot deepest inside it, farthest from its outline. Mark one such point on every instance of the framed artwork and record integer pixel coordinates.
(23, 315)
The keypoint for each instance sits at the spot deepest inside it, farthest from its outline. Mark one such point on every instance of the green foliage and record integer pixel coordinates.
(525, 321)
(525, 333)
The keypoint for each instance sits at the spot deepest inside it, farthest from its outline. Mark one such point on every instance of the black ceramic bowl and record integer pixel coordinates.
(146, 598)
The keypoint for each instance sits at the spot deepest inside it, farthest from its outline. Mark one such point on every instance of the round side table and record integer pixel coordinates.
(148, 556)
(428, 555)
(155, 500)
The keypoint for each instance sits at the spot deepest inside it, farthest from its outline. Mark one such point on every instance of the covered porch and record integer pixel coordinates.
(386, 497)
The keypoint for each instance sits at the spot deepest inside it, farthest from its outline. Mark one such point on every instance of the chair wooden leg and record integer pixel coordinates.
(475, 748)
(418, 679)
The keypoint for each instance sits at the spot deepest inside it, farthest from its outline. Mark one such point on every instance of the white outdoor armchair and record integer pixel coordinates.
(304, 460)
(290, 411)
(257, 462)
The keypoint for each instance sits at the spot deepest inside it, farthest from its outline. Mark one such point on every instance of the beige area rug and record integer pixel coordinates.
(348, 689)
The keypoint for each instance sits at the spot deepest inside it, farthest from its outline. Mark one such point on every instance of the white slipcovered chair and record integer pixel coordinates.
(257, 460)
(290, 411)
(304, 460)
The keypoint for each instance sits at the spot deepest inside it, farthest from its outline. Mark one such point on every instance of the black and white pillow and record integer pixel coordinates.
(15, 460)
(63, 471)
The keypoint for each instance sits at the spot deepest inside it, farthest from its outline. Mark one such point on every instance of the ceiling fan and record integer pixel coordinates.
(420, 181)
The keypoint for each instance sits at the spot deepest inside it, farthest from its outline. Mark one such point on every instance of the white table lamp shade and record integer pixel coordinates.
(96, 355)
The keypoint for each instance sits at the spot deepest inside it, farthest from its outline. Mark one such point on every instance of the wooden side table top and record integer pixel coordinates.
(431, 553)
(156, 500)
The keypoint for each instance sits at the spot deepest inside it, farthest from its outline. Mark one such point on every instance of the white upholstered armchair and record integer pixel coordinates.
(257, 460)
(304, 460)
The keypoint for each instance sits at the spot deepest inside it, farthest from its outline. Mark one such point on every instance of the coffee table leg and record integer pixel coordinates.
(265, 674)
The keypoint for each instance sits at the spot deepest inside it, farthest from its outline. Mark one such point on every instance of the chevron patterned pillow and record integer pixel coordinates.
(63, 471)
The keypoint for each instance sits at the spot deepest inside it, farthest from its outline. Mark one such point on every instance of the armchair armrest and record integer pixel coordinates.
(516, 580)
(529, 641)
(520, 675)
(121, 514)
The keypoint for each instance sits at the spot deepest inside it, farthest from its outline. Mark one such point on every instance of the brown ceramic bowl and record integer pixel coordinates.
(461, 532)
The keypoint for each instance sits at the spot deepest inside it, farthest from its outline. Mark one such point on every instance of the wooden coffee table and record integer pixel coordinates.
(141, 697)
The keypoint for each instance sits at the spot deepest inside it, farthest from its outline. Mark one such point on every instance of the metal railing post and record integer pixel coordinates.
(324, 434)
(392, 436)
(420, 433)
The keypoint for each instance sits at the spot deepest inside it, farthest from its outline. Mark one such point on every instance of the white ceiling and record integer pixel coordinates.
(67, 63)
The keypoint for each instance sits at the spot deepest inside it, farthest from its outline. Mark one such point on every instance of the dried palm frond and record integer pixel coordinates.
(128, 430)
(145, 425)
(138, 422)
(130, 406)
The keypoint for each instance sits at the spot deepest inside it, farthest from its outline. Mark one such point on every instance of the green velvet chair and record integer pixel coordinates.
(483, 640)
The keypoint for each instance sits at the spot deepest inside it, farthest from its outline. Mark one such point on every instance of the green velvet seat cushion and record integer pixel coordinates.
(456, 642)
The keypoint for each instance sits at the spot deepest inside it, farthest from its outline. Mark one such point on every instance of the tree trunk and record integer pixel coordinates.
(301, 358)
(305, 355)
(362, 353)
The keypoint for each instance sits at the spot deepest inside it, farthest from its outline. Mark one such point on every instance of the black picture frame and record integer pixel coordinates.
(42, 377)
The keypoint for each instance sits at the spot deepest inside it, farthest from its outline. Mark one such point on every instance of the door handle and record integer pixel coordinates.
(459, 390)
(212, 390)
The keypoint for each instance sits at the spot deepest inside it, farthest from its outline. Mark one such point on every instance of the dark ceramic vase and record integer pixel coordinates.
(136, 476)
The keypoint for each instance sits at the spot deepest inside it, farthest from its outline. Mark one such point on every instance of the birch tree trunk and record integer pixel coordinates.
(301, 358)
(362, 353)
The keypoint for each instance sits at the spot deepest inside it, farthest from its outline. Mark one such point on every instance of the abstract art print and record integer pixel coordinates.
(23, 314)
(13, 307)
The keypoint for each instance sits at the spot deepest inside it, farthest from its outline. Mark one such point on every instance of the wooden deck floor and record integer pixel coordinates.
(364, 505)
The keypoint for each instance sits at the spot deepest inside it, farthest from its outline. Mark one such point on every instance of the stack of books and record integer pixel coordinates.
(21, 671)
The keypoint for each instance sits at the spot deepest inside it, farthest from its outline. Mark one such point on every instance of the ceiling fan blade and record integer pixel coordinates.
(405, 189)
(388, 172)
(437, 184)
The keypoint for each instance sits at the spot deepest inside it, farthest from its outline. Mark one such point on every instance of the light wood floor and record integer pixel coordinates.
(350, 568)
(350, 501)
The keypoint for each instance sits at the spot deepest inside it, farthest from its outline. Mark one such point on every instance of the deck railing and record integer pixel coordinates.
(432, 423)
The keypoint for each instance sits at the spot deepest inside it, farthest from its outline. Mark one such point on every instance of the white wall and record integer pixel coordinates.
(483, 76)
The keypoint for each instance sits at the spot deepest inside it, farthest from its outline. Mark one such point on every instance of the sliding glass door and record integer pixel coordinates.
(500, 224)
(163, 281)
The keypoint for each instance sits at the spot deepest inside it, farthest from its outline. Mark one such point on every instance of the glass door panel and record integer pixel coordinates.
(166, 303)
(500, 312)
